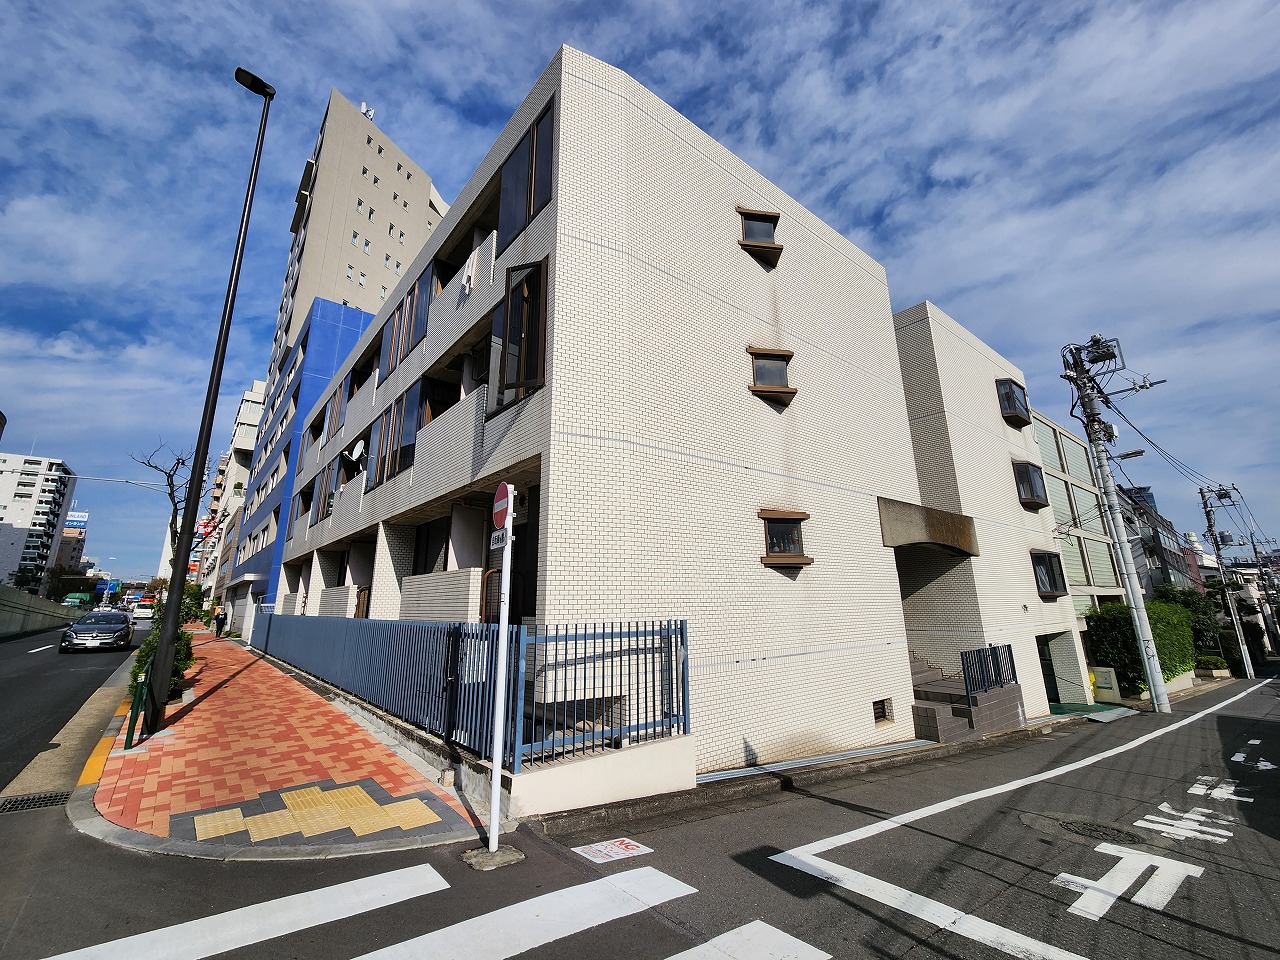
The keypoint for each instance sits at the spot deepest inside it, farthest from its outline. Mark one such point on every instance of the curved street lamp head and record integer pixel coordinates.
(254, 83)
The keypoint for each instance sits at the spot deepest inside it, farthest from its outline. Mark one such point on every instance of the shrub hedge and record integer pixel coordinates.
(1114, 643)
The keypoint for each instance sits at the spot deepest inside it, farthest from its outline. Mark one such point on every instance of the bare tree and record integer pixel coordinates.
(175, 468)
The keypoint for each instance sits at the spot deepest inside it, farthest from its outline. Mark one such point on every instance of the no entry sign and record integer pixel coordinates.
(501, 505)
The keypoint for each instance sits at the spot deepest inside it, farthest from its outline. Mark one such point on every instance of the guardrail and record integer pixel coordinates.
(572, 689)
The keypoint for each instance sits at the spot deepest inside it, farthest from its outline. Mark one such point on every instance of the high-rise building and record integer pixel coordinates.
(363, 211)
(74, 533)
(35, 496)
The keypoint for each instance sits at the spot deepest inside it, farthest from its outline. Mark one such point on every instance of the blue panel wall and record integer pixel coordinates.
(330, 331)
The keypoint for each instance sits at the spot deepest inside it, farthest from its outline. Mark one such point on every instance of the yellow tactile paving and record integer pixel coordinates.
(211, 825)
(407, 814)
(268, 826)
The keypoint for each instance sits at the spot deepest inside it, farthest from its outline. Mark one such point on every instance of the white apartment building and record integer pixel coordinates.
(35, 496)
(697, 388)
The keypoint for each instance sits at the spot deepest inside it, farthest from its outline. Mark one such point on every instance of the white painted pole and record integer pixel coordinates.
(500, 676)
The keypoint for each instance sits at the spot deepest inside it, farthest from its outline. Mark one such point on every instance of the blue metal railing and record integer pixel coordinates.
(572, 689)
(987, 668)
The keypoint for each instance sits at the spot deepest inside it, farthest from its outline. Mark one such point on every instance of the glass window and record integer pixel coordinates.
(1076, 455)
(521, 365)
(376, 181)
(350, 271)
(769, 375)
(1101, 564)
(759, 235)
(1050, 581)
(366, 246)
(1030, 481)
(355, 238)
(1013, 403)
(371, 214)
(541, 164)
(783, 540)
(361, 281)
(513, 205)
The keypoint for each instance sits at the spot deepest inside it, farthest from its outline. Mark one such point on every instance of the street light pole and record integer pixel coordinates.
(166, 647)
(1077, 360)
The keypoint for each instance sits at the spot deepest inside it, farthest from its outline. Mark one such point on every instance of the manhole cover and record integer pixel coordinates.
(1099, 831)
(33, 801)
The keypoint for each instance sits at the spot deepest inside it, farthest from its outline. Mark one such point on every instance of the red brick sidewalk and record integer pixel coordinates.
(255, 757)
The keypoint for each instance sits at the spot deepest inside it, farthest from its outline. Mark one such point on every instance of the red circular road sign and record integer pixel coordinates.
(501, 505)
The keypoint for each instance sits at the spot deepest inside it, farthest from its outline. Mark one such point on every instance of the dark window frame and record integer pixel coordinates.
(788, 559)
(1015, 408)
(531, 374)
(782, 394)
(1028, 477)
(535, 162)
(767, 253)
(1051, 564)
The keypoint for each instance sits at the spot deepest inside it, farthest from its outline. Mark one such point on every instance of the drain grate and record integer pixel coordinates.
(1099, 831)
(34, 801)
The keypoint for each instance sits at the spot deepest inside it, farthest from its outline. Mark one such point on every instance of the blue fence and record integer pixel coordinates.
(987, 668)
(571, 690)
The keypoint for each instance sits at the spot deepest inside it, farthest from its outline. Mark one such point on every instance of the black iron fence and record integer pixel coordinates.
(987, 668)
(571, 689)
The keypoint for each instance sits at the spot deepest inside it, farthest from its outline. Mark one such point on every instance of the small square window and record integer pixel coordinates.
(366, 246)
(391, 229)
(1013, 403)
(371, 214)
(355, 238)
(379, 149)
(364, 172)
(1030, 480)
(402, 236)
(359, 203)
(759, 229)
(882, 711)
(376, 180)
(399, 167)
(394, 196)
(408, 175)
(383, 294)
(362, 279)
(368, 141)
(783, 541)
(405, 204)
(769, 374)
(350, 271)
(397, 268)
(386, 260)
(1050, 581)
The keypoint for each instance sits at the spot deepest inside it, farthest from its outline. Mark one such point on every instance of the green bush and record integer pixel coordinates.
(1114, 643)
(183, 659)
(1204, 613)
(1230, 646)
(1210, 663)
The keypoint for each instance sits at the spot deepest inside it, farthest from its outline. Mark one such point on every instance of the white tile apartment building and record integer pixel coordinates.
(35, 496)
(695, 385)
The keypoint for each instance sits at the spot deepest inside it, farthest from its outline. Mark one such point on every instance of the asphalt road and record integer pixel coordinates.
(41, 690)
(993, 861)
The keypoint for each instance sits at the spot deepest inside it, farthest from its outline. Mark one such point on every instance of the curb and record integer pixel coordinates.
(569, 822)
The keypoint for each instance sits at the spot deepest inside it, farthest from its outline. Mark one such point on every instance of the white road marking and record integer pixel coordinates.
(274, 918)
(1216, 789)
(805, 857)
(930, 911)
(1098, 896)
(38, 649)
(1192, 825)
(531, 923)
(755, 941)
(1254, 743)
(1259, 764)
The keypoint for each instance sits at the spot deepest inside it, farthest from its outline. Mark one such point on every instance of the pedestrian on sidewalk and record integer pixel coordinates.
(219, 621)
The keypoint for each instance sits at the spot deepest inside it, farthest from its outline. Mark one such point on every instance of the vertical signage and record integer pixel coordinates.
(504, 501)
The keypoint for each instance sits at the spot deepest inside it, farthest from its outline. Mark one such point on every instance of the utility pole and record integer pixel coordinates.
(1222, 571)
(1079, 362)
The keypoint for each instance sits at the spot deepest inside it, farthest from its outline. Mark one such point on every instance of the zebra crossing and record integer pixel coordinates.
(506, 932)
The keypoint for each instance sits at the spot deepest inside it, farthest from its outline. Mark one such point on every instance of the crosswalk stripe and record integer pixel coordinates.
(274, 918)
(754, 941)
(531, 923)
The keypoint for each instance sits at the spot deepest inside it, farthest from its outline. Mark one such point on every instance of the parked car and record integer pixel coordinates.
(144, 611)
(96, 630)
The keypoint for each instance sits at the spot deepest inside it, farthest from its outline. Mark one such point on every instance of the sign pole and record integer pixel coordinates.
(504, 502)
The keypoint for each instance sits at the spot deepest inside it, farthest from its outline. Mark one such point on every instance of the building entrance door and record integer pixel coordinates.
(1046, 667)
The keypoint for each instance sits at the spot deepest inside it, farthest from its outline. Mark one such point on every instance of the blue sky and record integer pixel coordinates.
(1040, 171)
